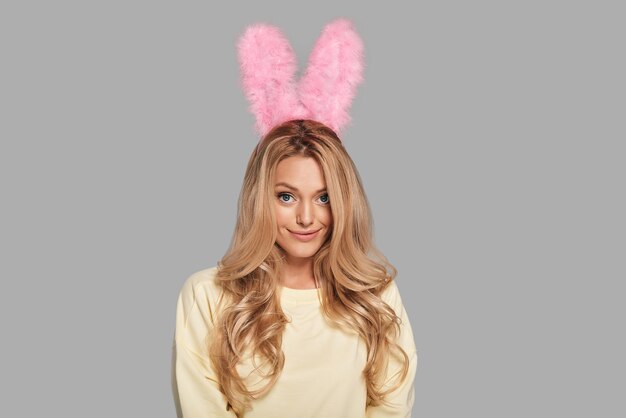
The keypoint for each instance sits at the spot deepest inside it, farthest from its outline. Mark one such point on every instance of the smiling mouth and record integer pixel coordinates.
(306, 236)
(303, 232)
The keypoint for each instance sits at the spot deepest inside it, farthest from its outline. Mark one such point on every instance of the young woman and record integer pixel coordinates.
(301, 317)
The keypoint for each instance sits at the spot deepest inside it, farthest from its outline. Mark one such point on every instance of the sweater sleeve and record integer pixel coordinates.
(400, 401)
(196, 387)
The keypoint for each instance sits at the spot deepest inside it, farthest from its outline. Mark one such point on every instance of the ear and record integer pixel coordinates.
(268, 65)
(334, 71)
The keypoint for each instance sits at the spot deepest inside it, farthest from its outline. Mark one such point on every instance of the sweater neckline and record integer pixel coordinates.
(299, 295)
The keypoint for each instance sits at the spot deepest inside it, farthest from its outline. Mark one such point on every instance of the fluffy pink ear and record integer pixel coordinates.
(325, 92)
(268, 66)
(335, 70)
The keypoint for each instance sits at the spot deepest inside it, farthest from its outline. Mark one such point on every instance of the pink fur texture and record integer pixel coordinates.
(324, 93)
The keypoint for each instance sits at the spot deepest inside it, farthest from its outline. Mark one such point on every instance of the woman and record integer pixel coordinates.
(301, 317)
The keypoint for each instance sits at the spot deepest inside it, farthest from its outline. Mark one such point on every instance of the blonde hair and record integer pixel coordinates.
(348, 268)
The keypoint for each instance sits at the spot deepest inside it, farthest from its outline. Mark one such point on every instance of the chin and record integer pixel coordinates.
(299, 252)
(294, 249)
(303, 254)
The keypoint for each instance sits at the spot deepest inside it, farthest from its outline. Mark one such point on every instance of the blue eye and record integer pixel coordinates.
(282, 196)
(324, 198)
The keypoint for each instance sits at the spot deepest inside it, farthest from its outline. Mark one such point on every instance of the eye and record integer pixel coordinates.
(284, 197)
(324, 198)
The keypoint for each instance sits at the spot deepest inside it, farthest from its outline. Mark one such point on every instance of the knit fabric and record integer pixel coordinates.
(322, 375)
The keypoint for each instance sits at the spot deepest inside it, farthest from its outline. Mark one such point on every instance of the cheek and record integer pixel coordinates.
(326, 217)
(282, 215)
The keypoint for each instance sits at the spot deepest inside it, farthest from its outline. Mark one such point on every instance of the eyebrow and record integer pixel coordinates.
(295, 189)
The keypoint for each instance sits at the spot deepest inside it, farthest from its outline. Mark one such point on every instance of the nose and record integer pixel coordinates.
(304, 217)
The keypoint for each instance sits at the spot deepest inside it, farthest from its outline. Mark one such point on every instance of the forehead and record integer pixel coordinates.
(302, 172)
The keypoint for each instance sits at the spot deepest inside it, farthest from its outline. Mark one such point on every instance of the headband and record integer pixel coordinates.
(324, 92)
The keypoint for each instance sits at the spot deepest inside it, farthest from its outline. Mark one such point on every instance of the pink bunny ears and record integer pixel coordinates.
(325, 91)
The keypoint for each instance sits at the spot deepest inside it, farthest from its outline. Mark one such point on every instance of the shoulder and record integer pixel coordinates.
(200, 282)
(202, 279)
(391, 295)
(200, 290)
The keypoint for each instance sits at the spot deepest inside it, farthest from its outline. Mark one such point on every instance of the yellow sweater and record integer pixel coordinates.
(322, 375)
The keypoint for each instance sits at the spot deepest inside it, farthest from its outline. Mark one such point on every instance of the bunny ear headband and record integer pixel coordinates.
(325, 91)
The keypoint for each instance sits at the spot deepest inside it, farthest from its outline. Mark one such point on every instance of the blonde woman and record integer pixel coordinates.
(301, 317)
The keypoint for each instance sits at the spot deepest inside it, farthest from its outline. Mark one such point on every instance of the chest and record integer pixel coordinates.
(315, 349)
(317, 353)
(322, 375)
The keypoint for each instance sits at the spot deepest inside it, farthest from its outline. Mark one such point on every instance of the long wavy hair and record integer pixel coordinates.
(348, 268)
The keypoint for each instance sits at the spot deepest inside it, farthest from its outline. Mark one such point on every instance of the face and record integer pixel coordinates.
(302, 207)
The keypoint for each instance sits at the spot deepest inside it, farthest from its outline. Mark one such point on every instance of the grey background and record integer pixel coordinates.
(489, 136)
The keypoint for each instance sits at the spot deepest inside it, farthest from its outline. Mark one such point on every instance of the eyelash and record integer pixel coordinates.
(279, 195)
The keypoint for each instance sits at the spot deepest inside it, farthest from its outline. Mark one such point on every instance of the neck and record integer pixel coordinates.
(298, 273)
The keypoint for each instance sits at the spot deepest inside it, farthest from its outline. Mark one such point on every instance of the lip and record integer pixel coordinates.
(305, 237)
